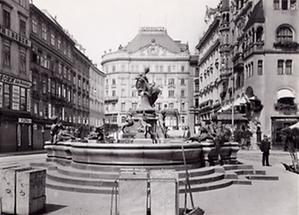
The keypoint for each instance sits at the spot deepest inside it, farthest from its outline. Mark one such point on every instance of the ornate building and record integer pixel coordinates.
(169, 69)
(207, 87)
(15, 77)
(96, 93)
(259, 55)
(265, 57)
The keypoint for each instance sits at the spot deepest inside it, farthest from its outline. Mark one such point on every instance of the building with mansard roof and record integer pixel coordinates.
(168, 61)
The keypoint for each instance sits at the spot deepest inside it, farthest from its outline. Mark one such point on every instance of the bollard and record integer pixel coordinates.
(30, 191)
(133, 192)
(164, 194)
(8, 188)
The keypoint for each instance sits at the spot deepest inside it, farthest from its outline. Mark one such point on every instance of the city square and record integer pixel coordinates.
(155, 125)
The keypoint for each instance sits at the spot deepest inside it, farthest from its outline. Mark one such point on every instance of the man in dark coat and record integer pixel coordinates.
(265, 148)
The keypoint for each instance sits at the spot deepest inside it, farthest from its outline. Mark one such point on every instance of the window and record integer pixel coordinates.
(134, 106)
(7, 96)
(196, 102)
(284, 33)
(44, 85)
(171, 106)
(182, 68)
(113, 68)
(123, 93)
(182, 106)
(260, 67)
(196, 86)
(183, 119)
(22, 61)
(113, 93)
(280, 67)
(44, 32)
(288, 67)
(6, 19)
(171, 93)
(284, 4)
(182, 81)
(23, 99)
(113, 82)
(276, 4)
(6, 53)
(34, 26)
(58, 43)
(196, 72)
(171, 81)
(123, 106)
(52, 39)
(22, 27)
(183, 94)
(169, 68)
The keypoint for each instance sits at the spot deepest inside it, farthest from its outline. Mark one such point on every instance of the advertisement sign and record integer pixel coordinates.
(15, 81)
(15, 97)
(28, 100)
(1, 94)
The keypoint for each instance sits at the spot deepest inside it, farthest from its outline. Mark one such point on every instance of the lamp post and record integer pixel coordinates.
(233, 106)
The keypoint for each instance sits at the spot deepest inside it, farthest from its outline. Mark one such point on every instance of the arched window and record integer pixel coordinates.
(284, 33)
(259, 34)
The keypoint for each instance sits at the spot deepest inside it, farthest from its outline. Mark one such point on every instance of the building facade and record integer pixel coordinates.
(60, 77)
(207, 80)
(169, 69)
(15, 77)
(96, 93)
(258, 56)
(266, 61)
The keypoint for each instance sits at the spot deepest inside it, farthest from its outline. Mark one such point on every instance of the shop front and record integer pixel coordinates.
(279, 123)
(15, 117)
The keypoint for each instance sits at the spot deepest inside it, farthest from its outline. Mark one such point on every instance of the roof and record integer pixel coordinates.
(257, 15)
(156, 35)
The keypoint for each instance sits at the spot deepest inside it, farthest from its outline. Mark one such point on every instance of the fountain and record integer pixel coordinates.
(99, 159)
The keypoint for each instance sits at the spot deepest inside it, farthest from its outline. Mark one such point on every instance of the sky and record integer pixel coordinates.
(100, 25)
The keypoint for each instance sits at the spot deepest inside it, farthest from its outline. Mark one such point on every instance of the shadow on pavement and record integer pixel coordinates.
(53, 207)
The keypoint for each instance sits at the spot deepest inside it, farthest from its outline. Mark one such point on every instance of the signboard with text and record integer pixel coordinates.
(15, 98)
(15, 81)
(1, 94)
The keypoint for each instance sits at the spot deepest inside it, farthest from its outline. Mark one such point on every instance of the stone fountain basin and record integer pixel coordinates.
(135, 154)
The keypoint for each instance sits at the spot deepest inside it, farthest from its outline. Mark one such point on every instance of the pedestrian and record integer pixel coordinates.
(265, 148)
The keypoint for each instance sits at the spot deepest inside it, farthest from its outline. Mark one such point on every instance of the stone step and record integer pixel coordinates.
(208, 186)
(249, 172)
(81, 189)
(237, 167)
(55, 176)
(242, 182)
(262, 177)
(69, 171)
(202, 179)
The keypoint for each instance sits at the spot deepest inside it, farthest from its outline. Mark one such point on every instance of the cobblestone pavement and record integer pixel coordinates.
(261, 198)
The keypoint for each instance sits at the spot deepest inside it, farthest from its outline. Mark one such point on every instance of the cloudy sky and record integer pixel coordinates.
(101, 25)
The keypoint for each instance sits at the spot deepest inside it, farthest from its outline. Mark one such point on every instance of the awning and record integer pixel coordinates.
(285, 93)
(295, 125)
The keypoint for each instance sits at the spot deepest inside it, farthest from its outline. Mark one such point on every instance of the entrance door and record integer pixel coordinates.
(24, 137)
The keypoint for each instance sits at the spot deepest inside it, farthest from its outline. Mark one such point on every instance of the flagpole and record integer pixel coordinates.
(233, 107)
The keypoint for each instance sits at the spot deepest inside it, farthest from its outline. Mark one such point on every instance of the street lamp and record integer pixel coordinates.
(233, 106)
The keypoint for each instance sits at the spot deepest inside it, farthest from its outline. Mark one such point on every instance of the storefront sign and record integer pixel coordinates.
(15, 81)
(25, 120)
(15, 98)
(1, 94)
(28, 100)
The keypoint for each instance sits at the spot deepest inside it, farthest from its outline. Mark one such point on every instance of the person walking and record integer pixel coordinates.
(265, 148)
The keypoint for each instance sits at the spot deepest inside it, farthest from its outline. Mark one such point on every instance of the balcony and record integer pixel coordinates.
(254, 48)
(286, 45)
(238, 60)
(15, 36)
(111, 99)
